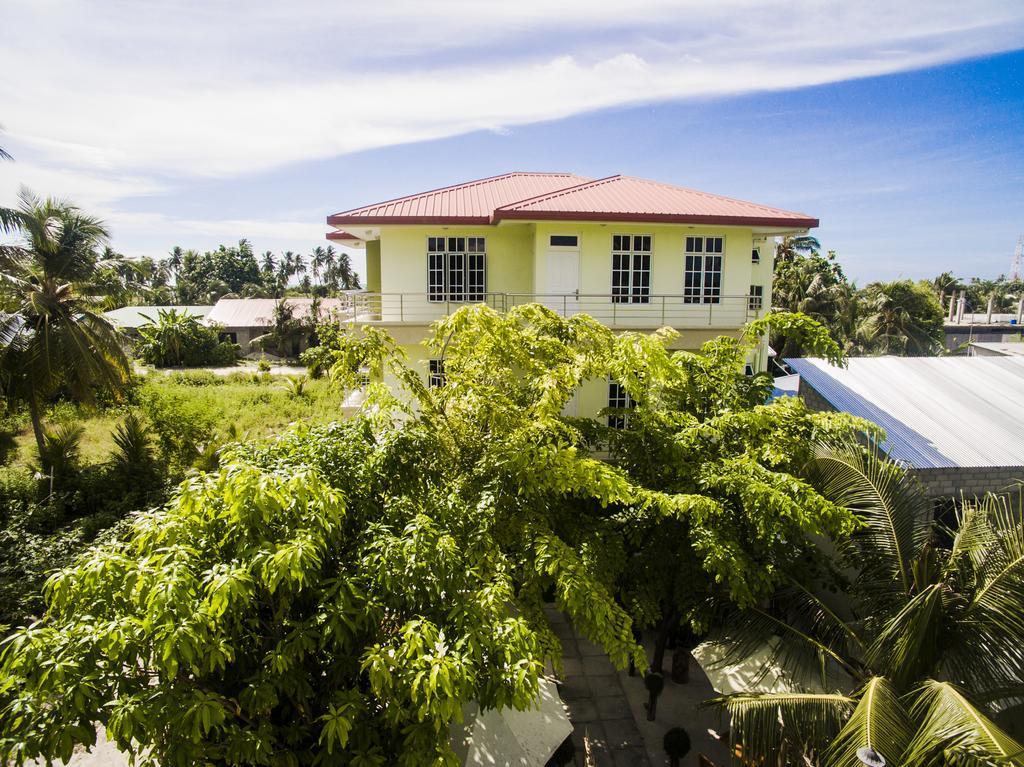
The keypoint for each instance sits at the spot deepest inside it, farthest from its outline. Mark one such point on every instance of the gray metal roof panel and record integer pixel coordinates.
(938, 412)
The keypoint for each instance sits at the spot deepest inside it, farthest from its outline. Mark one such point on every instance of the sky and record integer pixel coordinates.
(197, 122)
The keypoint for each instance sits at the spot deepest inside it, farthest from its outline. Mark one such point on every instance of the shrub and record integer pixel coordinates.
(196, 378)
(60, 456)
(181, 424)
(176, 338)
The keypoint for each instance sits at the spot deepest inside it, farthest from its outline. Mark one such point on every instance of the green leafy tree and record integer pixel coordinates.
(338, 596)
(912, 667)
(900, 317)
(53, 337)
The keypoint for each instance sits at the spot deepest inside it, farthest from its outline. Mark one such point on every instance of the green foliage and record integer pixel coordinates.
(898, 317)
(52, 336)
(60, 455)
(338, 595)
(181, 339)
(930, 640)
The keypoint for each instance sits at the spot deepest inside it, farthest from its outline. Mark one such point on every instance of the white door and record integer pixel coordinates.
(563, 286)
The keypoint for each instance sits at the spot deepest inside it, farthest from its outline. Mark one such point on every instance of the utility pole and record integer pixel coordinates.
(1018, 256)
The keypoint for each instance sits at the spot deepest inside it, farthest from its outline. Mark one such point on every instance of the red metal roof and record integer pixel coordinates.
(624, 198)
(567, 197)
(343, 236)
(473, 202)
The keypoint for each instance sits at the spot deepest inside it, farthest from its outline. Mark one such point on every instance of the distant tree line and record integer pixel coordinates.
(193, 277)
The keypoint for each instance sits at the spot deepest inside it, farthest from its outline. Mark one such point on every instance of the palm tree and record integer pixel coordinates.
(790, 247)
(900, 318)
(54, 338)
(915, 666)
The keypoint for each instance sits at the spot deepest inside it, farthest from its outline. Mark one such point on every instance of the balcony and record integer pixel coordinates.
(657, 311)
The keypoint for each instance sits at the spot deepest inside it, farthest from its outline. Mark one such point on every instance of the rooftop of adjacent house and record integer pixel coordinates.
(938, 412)
(259, 312)
(1004, 348)
(130, 317)
(566, 196)
(983, 318)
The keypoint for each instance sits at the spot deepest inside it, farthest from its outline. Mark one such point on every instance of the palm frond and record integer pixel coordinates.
(989, 653)
(910, 642)
(880, 722)
(769, 728)
(953, 731)
(896, 518)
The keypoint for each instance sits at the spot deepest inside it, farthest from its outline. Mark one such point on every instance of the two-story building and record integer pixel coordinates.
(633, 253)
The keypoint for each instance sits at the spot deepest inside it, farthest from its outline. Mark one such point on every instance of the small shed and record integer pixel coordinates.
(956, 422)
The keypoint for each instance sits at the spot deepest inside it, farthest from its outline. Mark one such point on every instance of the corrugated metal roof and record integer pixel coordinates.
(625, 198)
(565, 196)
(938, 412)
(470, 202)
(259, 312)
(136, 316)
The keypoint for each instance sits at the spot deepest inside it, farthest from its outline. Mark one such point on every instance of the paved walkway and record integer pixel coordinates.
(605, 731)
(608, 708)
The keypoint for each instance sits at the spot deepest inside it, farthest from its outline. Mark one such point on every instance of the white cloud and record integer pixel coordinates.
(129, 98)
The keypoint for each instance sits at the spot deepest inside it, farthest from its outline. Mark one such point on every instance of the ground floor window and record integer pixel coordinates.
(229, 336)
(755, 299)
(435, 374)
(456, 268)
(631, 268)
(702, 279)
(619, 399)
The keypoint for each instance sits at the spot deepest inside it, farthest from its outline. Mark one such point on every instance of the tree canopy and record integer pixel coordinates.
(338, 595)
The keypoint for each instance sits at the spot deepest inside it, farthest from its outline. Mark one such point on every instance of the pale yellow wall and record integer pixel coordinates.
(404, 256)
(373, 266)
(667, 259)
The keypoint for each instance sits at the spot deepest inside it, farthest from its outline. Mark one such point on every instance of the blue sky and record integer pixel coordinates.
(186, 123)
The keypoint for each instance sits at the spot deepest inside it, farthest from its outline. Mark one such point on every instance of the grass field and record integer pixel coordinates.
(256, 406)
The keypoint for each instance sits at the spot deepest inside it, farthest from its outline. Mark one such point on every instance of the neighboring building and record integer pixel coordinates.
(956, 422)
(966, 329)
(241, 320)
(634, 254)
(996, 349)
(130, 318)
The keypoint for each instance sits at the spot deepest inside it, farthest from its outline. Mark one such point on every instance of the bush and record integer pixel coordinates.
(180, 339)
(196, 378)
(181, 424)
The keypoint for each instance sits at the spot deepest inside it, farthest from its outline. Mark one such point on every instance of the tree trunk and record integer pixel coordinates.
(37, 429)
(664, 630)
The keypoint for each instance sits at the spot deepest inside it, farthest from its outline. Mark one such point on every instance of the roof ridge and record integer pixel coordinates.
(450, 187)
(558, 192)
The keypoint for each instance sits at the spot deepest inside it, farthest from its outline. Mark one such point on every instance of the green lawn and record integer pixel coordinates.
(256, 408)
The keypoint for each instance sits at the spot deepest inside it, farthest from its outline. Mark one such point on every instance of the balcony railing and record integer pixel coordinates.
(656, 311)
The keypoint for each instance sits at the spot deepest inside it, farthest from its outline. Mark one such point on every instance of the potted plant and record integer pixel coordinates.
(676, 744)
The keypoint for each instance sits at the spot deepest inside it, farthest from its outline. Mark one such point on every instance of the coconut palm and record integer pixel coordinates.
(53, 337)
(900, 317)
(916, 665)
(790, 247)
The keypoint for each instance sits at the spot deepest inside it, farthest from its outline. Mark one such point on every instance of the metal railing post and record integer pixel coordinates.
(565, 304)
(711, 311)
(663, 310)
(401, 307)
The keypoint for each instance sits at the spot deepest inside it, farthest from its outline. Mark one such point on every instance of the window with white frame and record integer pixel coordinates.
(456, 268)
(755, 256)
(618, 399)
(702, 279)
(755, 299)
(631, 268)
(435, 373)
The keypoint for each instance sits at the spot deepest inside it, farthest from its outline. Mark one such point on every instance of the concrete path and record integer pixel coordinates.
(609, 713)
(605, 730)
